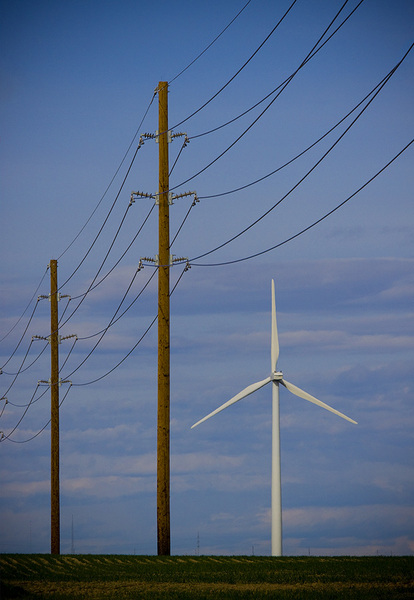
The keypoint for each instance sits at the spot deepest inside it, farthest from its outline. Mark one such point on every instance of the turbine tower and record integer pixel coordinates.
(276, 378)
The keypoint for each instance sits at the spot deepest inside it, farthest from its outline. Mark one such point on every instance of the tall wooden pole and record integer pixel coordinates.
(163, 424)
(54, 394)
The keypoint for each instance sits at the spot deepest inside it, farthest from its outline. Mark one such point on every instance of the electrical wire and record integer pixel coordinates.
(40, 431)
(239, 71)
(325, 216)
(120, 258)
(302, 153)
(22, 336)
(104, 223)
(108, 187)
(210, 44)
(284, 86)
(88, 220)
(381, 86)
(31, 402)
(68, 354)
(121, 361)
(309, 57)
(135, 345)
(6, 437)
(184, 220)
(103, 332)
(85, 294)
(184, 144)
(29, 303)
(21, 370)
(113, 320)
(6, 402)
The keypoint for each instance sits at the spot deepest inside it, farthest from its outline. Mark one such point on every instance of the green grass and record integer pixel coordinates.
(184, 577)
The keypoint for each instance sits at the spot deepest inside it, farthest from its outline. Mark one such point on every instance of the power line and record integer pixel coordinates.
(31, 401)
(29, 303)
(239, 71)
(91, 286)
(289, 162)
(119, 260)
(325, 216)
(112, 322)
(7, 437)
(210, 44)
(135, 345)
(380, 87)
(21, 370)
(284, 86)
(90, 217)
(104, 223)
(310, 55)
(109, 185)
(23, 334)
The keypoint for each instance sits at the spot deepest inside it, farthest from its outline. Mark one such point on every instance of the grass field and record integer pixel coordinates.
(71, 577)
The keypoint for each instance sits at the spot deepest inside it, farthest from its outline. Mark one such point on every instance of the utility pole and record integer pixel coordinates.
(54, 395)
(164, 260)
(163, 422)
(54, 382)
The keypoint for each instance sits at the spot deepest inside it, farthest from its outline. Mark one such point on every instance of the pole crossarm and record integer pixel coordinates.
(156, 261)
(49, 296)
(156, 197)
(60, 381)
(49, 338)
(140, 195)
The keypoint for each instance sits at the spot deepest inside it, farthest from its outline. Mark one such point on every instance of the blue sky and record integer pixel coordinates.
(78, 78)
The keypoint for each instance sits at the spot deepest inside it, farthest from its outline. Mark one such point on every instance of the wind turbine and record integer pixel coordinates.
(276, 377)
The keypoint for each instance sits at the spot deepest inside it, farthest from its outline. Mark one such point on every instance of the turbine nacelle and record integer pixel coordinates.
(276, 376)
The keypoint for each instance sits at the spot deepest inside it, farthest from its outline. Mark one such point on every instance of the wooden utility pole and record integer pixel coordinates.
(163, 424)
(54, 394)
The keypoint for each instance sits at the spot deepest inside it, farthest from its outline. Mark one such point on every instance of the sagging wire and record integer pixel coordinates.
(241, 68)
(192, 205)
(23, 334)
(122, 255)
(284, 86)
(325, 216)
(187, 266)
(380, 87)
(31, 401)
(29, 303)
(211, 43)
(69, 353)
(84, 295)
(104, 223)
(21, 370)
(292, 160)
(4, 437)
(113, 320)
(184, 145)
(21, 367)
(107, 189)
(103, 332)
(311, 55)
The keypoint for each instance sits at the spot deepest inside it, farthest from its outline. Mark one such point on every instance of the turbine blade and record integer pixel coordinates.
(275, 338)
(298, 392)
(246, 392)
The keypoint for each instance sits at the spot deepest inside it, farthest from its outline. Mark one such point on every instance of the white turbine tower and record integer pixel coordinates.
(275, 377)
